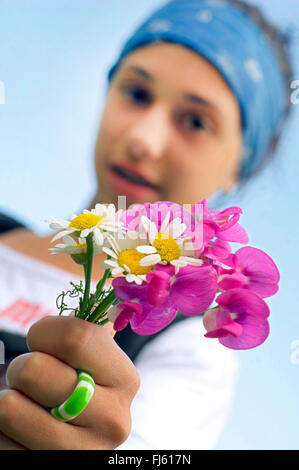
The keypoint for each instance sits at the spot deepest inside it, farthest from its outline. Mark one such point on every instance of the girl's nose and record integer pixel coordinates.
(148, 137)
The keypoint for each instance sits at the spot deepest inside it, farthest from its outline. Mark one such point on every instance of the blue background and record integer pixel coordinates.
(54, 58)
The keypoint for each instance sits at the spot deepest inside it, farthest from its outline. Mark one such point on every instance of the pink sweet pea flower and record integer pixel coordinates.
(122, 313)
(221, 224)
(194, 289)
(216, 249)
(191, 291)
(252, 269)
(149, 319)
(158, 286)
(240, 321)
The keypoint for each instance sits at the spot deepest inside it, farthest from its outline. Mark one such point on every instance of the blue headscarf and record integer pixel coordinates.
(228, 38)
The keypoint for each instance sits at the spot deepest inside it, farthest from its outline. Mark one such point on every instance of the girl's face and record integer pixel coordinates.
(171, 117)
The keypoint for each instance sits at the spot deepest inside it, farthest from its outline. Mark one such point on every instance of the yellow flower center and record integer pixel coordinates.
(131, 258)
(84, 221)
(81, 246)
(167, 247)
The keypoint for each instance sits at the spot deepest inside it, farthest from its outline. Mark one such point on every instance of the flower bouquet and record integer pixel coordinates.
(165, 258)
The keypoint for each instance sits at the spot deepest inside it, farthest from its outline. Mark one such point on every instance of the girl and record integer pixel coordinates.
(195, 106)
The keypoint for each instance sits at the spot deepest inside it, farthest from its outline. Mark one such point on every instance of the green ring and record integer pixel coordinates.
(78, 400)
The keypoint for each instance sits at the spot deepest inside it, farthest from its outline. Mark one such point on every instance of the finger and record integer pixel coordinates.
(84, 345)
(8, 444)
(49, 382)
(108, 326)
(41, 377)
(33, 427)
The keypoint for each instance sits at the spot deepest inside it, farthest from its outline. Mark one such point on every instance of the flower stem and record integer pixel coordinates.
(103, 322)
(101, 283)
(87, 272)
(101, 309)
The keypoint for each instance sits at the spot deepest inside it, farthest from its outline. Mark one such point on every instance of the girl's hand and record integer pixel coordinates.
(46, 376)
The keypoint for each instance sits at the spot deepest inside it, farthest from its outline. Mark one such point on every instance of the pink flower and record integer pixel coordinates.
(191, 291)
(221, 224)
(252, 269)
(158, 286)
(240, 321)
(194, 289)
(216, 249)
(122, 313)
(149, 319)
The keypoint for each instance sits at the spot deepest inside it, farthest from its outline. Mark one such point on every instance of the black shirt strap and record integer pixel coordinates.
(7, 223)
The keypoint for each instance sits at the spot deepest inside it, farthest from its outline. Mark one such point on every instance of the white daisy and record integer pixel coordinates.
(71, 247)
(99, 221)
(125, 257)
(166, 246)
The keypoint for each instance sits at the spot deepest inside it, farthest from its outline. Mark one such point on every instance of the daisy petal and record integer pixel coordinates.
(109, 252)
(150, 259)
(164, 225)
(111, 263)
(62, 234)
(127, 268)
(137, 280)
(116, 271)
(57, 224)
(178, 262)
(98, 236)
(146, 249)
(69, 240)
(152, 232)
(176, 228)
(86, 232)
(113, 243)
(99, 209)
(145, 222)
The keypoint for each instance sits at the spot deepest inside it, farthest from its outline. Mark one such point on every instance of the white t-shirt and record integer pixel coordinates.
(187, 380)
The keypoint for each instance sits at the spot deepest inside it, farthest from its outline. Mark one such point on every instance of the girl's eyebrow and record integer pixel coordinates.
(191, 97)
(140, 71)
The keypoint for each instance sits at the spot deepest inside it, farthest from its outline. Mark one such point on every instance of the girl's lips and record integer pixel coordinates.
(126, 187)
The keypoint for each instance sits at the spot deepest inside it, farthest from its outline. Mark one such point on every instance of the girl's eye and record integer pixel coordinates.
(193, 122)
(137, 94)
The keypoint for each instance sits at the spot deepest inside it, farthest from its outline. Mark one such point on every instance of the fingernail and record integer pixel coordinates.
(14, 368)
(109, 327)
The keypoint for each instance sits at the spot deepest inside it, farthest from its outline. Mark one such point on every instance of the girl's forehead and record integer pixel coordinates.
(169, 56)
